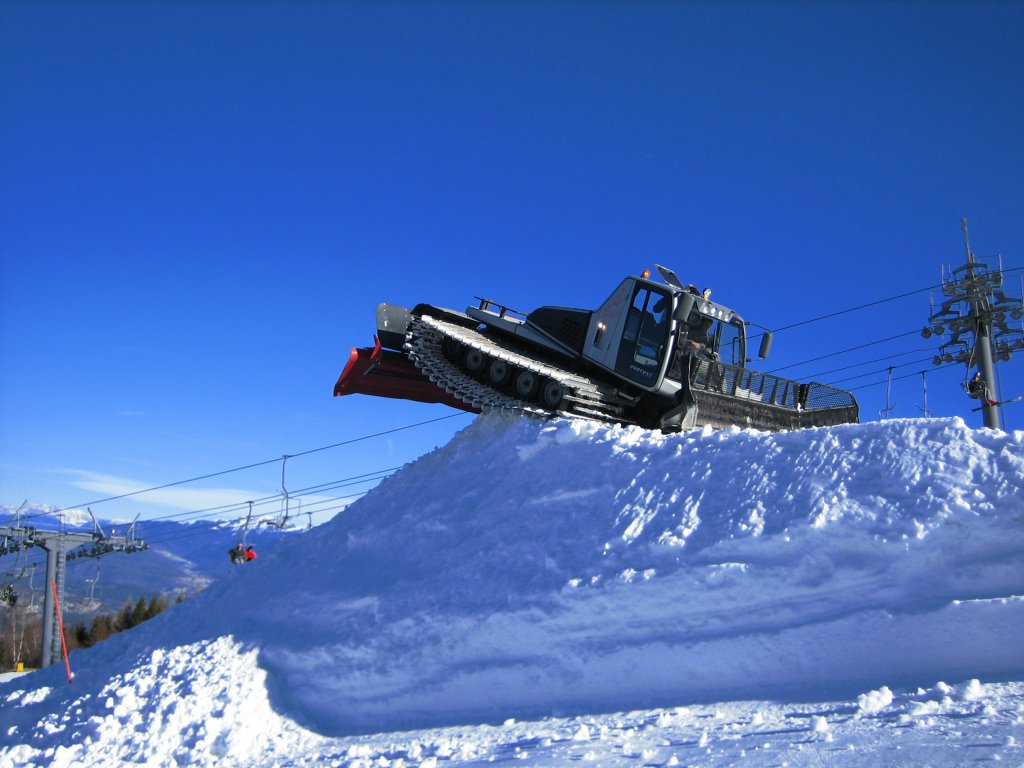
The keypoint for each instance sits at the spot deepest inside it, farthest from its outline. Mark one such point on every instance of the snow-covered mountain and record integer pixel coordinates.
(560, 592)
(53, 516)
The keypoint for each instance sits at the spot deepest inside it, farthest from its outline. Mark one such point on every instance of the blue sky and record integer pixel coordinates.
(203, 202)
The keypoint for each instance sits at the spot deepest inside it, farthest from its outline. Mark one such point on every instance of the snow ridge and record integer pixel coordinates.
(532, 568)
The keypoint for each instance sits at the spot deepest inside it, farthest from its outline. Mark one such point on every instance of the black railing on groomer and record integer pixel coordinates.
(733, 381)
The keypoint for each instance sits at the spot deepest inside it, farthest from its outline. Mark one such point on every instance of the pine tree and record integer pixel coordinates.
(157, 605)
(139, 614)
(77, 636)
(124, 617)
(102, 628)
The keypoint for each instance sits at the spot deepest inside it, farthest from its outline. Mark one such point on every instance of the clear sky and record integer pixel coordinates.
(201, 204)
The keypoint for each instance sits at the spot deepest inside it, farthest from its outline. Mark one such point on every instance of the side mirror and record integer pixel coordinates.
(766, 345)
(685, 307)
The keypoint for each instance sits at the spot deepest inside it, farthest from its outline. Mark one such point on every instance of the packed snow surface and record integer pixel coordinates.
(558, 593)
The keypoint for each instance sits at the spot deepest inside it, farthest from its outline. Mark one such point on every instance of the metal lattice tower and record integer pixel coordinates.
(983, 324)
(55, 543)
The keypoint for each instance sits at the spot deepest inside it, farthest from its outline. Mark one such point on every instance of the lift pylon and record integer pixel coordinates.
(57, 544)
(983, 324)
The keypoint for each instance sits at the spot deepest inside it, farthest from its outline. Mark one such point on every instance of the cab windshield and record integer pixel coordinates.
(710, 338)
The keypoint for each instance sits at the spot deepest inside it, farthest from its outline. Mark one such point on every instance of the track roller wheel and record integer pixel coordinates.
(525, 385)
(474, 360)
(452, 350)
(499, 372)
(551, 394)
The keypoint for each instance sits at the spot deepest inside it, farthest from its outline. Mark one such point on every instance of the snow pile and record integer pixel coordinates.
(189, 704)
(530, 569)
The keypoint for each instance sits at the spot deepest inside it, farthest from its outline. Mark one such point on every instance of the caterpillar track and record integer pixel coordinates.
(491, 373)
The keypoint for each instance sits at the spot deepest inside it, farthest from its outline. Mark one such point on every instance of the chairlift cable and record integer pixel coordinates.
(873, 304)
(900, 378)
(161, 527)
(211, 512)
(844, 351)
(880, 370)
(815, 376)
(181, 535)
(251, 466)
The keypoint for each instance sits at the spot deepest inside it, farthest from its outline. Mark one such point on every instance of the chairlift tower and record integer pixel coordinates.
(58, 546)
(977, 314)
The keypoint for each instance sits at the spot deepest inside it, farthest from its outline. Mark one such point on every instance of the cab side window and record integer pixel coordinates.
(645, 337)
(730, 344)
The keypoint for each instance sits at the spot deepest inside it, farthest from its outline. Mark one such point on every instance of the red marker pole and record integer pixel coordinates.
(60, 626)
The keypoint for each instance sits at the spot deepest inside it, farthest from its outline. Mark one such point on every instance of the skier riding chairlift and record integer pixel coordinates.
(241, 554)
(237, 554)
(978, 390)
(8, 596)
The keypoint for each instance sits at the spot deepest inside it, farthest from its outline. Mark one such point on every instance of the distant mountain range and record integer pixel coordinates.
(180, 557)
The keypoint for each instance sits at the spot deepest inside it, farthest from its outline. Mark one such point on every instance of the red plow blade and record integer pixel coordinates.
(386, 373)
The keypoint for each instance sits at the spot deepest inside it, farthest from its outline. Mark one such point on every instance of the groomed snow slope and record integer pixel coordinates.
(529, 569)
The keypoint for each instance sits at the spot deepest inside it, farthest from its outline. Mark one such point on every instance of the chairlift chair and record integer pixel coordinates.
(92, 603)
(237, 553)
